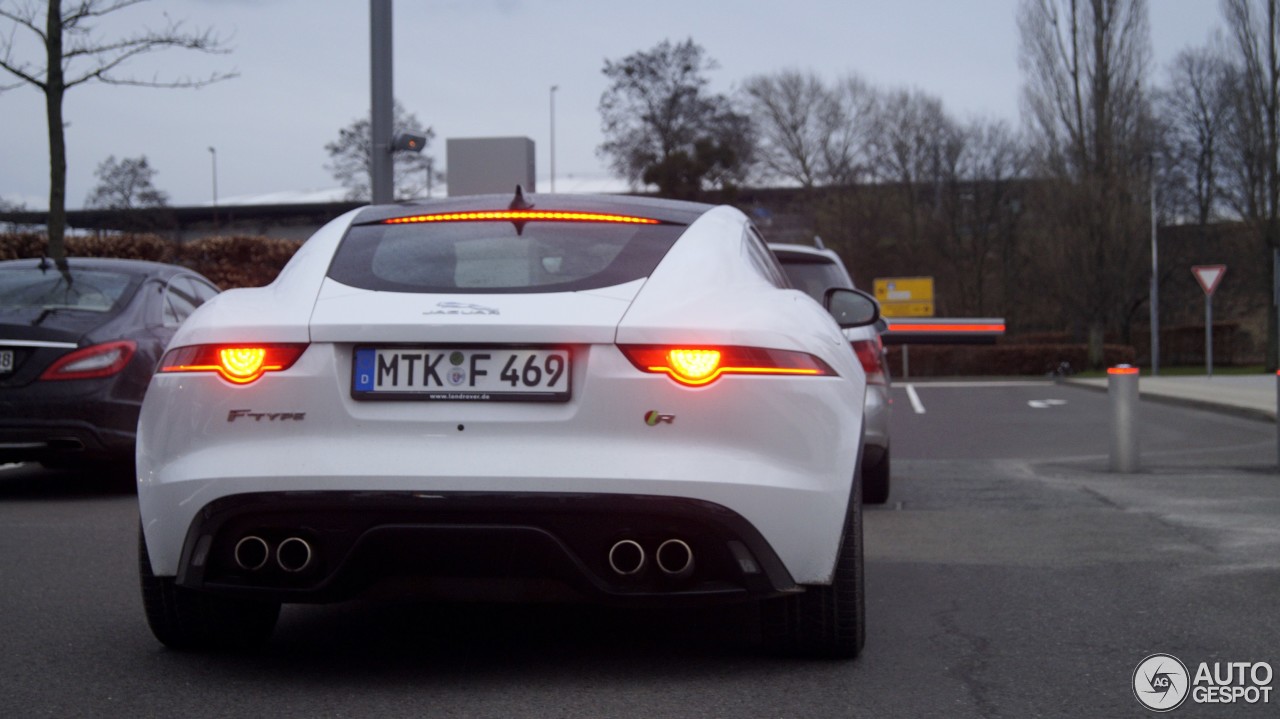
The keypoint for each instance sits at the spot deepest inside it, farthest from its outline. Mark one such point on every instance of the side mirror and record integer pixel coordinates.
(851, 308)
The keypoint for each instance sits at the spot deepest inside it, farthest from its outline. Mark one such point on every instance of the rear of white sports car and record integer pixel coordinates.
(557, 397)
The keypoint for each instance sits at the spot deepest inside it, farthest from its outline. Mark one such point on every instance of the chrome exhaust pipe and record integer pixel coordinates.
(626, 557)
(675, 558)
(252, 553)
(294, 555)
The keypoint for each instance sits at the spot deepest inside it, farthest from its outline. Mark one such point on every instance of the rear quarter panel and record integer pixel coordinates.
(277, 312)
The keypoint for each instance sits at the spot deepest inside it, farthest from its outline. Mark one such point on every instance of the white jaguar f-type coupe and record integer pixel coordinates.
(550, 397)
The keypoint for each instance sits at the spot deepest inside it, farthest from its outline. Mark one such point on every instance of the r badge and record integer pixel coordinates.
(654, 418)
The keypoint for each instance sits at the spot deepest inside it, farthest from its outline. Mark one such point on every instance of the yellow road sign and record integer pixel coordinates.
(907, 309)
(905, 296)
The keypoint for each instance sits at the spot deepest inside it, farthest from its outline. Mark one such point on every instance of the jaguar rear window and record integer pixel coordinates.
(494, 257)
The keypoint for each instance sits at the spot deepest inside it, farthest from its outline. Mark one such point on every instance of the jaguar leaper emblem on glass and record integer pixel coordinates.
(461, 308)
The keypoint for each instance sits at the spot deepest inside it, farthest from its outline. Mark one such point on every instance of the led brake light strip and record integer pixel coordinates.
(522, 215)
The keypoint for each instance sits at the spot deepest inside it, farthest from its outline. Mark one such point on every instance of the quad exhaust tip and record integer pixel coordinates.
(252, 553)
(294, 555)
(627, 557)
(674, 558)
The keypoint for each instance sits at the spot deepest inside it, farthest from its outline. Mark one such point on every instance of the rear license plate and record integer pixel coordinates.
(6, 361)
(471, 374)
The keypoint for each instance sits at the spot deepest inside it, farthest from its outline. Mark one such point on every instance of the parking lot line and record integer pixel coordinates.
(916, 404)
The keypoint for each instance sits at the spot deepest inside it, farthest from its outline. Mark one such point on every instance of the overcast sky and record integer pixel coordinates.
(479, 68)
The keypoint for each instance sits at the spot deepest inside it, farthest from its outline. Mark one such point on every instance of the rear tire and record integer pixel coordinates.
(875, 481)
(184, 619)
(826, 621)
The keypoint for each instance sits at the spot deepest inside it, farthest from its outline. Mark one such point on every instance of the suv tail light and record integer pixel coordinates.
(871, 355)
(696, 366)
(239, 364)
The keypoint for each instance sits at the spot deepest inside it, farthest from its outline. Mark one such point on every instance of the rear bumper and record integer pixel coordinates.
(63, 441)
(65, 426)
(876, 414)
(478, 545)
(781, 453)
(70, 420)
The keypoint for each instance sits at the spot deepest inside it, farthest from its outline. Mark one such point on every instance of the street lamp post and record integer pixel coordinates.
(553, 136)
(1155, 276)
(381, 115)
(213, 157)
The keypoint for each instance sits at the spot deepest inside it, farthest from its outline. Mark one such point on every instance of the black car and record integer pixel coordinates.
(78, 345)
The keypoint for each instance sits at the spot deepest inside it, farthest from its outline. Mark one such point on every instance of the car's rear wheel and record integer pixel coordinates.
(875, 481)
(826, 621)
(185, 619)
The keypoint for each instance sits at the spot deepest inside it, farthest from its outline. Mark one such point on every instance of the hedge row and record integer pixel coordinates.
(250, 261)
(1003, 360)
(231, 261)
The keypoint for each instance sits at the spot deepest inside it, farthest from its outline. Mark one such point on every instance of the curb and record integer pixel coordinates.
(1174, 400)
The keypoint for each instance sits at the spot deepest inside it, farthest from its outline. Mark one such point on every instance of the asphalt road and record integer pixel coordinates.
(1011, 575)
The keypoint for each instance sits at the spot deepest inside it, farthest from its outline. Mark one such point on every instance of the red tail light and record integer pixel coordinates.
(697, 366)
(870, 354)
(101, 360)
(240, 364)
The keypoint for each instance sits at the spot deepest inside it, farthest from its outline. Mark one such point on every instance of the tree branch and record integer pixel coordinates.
(19, 70)
(91, 9)
(27, 21)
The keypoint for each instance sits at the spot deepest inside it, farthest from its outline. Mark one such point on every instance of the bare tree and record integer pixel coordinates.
(1195, 109)
(910, 143)
(126, 185)
(351, 158)
(979, 208)
(786, 107)
(1254, 27)
(75, 54)
(1085, 64)
(848, 122)
(807, 132)
(663, 127)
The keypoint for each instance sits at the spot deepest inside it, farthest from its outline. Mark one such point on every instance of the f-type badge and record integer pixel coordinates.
(461, 308)
(654, 418)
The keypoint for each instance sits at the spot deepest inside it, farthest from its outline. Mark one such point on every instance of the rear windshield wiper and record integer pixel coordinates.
(45, 312)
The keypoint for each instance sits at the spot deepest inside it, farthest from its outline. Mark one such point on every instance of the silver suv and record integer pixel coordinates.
(814, 270)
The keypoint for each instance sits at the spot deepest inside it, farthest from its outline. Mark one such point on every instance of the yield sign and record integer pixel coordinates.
(1209, 276)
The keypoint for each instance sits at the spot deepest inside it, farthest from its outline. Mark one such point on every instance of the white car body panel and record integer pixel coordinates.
(271, 313)
(348, 314)
(877, 408)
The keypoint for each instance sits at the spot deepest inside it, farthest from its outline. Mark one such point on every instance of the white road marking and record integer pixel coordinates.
(916, 404)
(1045, 403)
